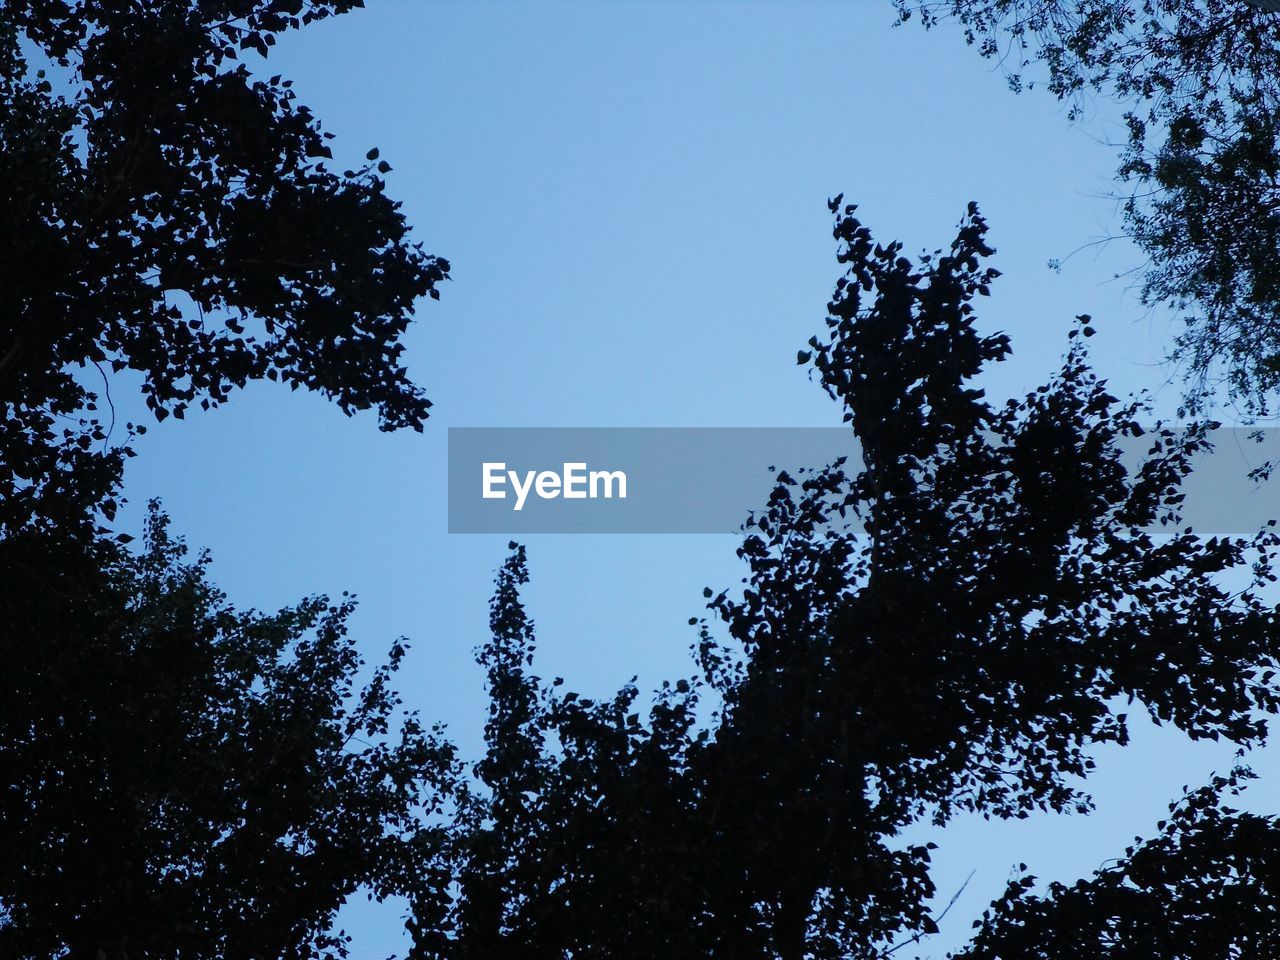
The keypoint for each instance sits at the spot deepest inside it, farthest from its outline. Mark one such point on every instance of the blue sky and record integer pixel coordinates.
(633, 196)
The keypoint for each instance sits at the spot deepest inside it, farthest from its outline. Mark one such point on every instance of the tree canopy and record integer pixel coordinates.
(170, 212)
(962, 646)
(184, 779)
(1205, 886)
(1201, 92)
(952, 624)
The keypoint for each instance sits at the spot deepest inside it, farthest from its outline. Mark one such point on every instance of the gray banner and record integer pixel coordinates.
(707, 479)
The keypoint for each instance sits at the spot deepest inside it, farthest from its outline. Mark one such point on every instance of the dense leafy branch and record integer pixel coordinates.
(169, 212)
(1208, 885)
(1201, 86)
(961, 643)
(183, 779)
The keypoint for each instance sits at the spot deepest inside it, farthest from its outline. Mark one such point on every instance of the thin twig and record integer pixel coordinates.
(106, 389)
(915, 937)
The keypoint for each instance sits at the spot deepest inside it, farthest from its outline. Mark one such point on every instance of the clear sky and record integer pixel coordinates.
(633, 195)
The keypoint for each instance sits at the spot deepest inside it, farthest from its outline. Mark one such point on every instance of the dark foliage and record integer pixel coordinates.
(182, 780)
(962, 646)
(164, 211)
(1208, 886)
(581, 836)
(1201, 82)
(951, 625)
(185, 780)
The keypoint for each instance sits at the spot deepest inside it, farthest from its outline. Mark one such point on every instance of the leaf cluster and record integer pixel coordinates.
(1201, 90)
(169, 212)
(953, 625)
(184, 779)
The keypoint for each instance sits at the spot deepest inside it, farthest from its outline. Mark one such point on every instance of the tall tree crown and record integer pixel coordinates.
(961, 643)
(169, 212)
(1201, 91)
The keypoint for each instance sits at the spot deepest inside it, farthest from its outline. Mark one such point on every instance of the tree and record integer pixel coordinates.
(168, 212)
(581, 833)
(1202, 93)
(1207, 885)
(951, 626)
(185, 780)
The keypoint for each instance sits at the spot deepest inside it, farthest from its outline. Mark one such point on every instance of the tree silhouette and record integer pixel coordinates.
(960, 647)
(183, 779)
(952, 625)
(167, 212)
(1206, 886)
(1199, 82)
